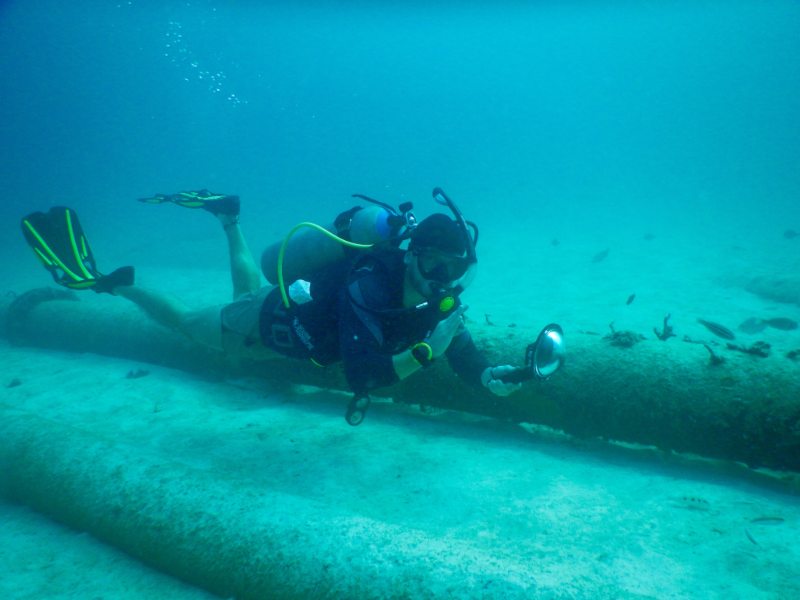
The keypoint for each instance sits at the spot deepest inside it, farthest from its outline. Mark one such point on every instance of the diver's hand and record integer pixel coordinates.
(490, 378)
(440, 338)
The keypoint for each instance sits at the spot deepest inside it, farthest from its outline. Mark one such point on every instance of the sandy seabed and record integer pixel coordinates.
(554, 518)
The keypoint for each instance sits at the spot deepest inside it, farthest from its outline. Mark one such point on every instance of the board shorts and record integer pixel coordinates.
(239, 326)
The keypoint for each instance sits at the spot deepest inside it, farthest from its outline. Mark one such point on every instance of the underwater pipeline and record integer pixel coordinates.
(230, 537)
(662, 394)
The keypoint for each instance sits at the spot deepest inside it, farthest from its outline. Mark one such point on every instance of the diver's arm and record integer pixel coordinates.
(466, 360)
(405, 364)
(471, 365)
(366, 365)
(367, 368)
(433, 346)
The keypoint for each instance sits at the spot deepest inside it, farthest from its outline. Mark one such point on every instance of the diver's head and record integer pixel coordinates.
(440, 256)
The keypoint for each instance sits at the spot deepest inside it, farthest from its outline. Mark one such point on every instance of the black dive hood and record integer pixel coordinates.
(470, 231)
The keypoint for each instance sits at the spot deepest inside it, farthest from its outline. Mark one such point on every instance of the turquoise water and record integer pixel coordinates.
(586, 112)
(666, 133)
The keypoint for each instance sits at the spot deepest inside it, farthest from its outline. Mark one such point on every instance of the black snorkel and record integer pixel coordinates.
(470, 239)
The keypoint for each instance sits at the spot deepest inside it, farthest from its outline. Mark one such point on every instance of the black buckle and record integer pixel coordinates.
(357, 410)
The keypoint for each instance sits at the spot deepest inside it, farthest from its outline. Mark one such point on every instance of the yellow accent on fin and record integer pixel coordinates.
(43, 258)
(53, 257)
(81, 285)
(75, 251)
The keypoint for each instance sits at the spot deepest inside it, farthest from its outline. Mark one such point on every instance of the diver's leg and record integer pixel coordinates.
(233, 328)
(244, 272)
(203, 326)
(225, 207)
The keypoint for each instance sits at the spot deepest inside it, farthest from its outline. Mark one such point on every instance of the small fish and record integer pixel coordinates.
(136, 374)
(692, 503)
(630, 299)
(600, 256)
(781, 323)
(750, 537)
(752, 325)
(649, 237)
(717, 329)
(768, 520)
(790, 234)
(554, 242)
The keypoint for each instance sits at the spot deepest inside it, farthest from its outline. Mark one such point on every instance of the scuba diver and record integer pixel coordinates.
(354, 295)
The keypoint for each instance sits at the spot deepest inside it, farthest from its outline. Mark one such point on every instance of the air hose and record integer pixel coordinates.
(295, 229)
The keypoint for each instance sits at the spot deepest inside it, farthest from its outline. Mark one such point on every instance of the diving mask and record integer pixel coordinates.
(441, 267)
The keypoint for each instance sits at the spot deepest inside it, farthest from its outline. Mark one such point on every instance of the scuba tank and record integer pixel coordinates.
(309, 249)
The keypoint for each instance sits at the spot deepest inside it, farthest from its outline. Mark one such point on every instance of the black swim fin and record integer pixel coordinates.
(216, 204)
(58, 241)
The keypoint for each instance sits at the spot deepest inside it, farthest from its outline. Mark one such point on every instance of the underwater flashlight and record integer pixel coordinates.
(543, 357)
